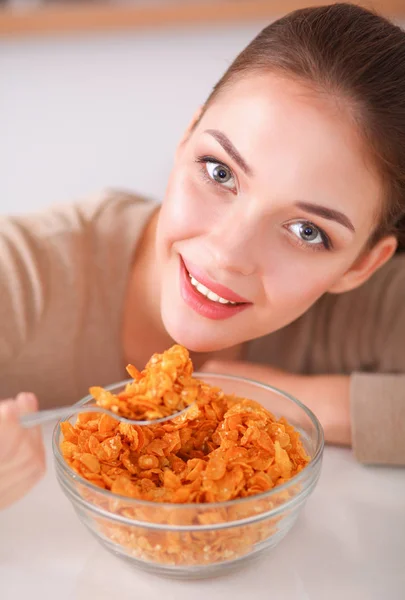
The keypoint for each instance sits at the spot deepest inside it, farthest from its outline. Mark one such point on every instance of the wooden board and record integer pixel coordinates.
(93, 17)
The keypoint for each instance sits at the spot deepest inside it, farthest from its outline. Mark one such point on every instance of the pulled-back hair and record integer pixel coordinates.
(358, 56)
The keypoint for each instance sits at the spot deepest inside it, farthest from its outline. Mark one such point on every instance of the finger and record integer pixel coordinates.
(12, 436)
(8, 411)
(28, 403)
(10, 431)
(19, 469)
(19, 474)
(12, 494)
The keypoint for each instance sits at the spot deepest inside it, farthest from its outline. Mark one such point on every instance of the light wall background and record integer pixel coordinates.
(81, 113)
(85, 112)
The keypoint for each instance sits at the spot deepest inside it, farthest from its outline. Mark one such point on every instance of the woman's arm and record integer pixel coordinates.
(349, 351)
(378, 417)
(364, 410)
(328, 396)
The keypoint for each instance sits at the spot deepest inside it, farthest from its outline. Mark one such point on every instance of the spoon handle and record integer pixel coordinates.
(42, 416)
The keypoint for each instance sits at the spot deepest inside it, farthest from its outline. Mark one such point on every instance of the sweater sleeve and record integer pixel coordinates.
(360, 334)
(21, 288)
(63, 275)
(378, 397)
(378, 418)
(38, 261)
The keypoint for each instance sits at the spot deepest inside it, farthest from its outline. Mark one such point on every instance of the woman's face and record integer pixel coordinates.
(268, 206)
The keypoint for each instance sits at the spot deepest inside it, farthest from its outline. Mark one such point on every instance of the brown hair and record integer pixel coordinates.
(354, 53)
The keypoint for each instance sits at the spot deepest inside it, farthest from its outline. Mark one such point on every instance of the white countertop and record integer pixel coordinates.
(349, 544)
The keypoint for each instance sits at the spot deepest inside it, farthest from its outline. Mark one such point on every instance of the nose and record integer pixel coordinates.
(234, 242)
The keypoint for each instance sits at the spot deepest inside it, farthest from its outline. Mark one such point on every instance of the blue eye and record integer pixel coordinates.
(309, 234)
(221, 174)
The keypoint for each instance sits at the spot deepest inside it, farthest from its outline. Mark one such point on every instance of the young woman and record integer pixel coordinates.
(272, 255)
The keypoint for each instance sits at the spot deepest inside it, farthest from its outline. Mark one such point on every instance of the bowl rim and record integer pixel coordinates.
(107, 494)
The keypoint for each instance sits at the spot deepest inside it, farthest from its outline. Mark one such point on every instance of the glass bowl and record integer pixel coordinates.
(199, 540)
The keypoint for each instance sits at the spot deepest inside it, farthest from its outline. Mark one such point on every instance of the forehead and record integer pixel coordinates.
(297, 141)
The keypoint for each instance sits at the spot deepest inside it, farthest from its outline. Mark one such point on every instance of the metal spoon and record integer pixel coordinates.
(42, 416)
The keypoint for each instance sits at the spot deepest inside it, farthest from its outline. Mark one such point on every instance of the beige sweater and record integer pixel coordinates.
(63, 275)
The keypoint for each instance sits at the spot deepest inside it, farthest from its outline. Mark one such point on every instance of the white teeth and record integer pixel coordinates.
(202, 289)
(208, 293)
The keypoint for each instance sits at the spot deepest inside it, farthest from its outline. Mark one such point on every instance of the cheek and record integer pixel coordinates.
(294, 285)
(185, 212)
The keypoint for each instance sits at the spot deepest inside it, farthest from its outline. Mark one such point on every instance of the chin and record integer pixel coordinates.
(197, 337)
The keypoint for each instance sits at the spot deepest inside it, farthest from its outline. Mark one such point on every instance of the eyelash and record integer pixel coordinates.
(326, 241)
(203, 160)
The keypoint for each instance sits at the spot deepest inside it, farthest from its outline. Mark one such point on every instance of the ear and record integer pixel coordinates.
(366, 265)
(190, 128)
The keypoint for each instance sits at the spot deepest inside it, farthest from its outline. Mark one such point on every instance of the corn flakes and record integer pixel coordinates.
(223, 448)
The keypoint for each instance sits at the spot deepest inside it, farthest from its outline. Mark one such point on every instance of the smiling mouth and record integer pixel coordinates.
(207, 293)
(206, 297)
(210, 289)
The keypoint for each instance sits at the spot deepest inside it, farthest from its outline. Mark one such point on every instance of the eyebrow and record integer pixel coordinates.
(230, 149)
(322, 211)
(327, 213)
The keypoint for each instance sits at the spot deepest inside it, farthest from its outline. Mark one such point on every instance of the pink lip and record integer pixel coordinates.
(202, 305)
(217, 288)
